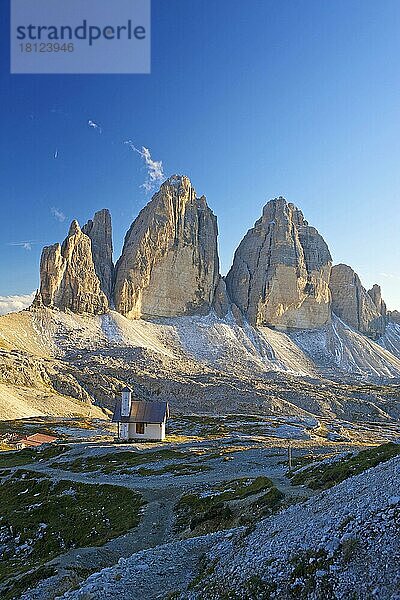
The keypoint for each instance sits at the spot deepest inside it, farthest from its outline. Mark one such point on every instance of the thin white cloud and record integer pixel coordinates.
(155, 171)
(94, 125)
(15, 303)
(27, 245)
(57, 214)
(390, 276)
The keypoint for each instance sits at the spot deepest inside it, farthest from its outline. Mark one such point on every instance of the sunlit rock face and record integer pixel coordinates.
(281, 276)
(68, 278)
(362, 310)
(169, 264)
(281, 269)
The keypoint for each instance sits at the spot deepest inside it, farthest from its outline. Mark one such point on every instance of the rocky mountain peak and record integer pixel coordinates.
(179, 182)
(68, 278)
(362, 310)
(394, 316)
(281, 206)
(376, 295)
(99, 230)
(169, 264)
(280, 273)
(74, 228)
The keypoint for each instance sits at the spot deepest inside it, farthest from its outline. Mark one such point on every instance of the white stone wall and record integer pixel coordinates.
(124, 431)
(126, 403)
(152, 431)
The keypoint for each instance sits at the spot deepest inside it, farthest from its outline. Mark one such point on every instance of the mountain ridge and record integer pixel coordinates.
(182, 332)
(282, 274)
(200, 363)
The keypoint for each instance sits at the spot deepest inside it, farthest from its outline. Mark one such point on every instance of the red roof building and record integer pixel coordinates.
(37, 439)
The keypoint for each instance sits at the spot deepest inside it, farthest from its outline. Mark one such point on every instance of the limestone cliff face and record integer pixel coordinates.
(281, 269)
(169, 264)
(68, 278)
(354, 305)
(221, 303)
(100, 233)
(281, 275)
(376, 295)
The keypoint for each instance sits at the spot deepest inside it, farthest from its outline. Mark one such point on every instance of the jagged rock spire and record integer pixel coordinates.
(169, 264)
(376, 294)
(280, 272)
(354, 305)
(68, 277)
(99, 230)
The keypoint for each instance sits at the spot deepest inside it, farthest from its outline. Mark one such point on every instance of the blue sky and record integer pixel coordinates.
(251, 100)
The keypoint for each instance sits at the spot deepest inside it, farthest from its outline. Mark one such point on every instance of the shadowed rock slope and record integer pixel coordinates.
(198, 364)
(362, 310)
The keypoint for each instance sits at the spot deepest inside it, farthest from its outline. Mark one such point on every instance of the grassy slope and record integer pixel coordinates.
(30, 455)
(233, 502)
(115, 461)
(327, 475)
(40, 519)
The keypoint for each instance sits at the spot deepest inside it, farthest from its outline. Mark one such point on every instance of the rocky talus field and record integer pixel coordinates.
(54, 362)
(215, 511)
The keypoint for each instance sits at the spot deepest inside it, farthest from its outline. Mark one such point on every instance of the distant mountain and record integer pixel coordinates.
(280, 272)
(284, 333)
(281, 276)
(169, 264)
